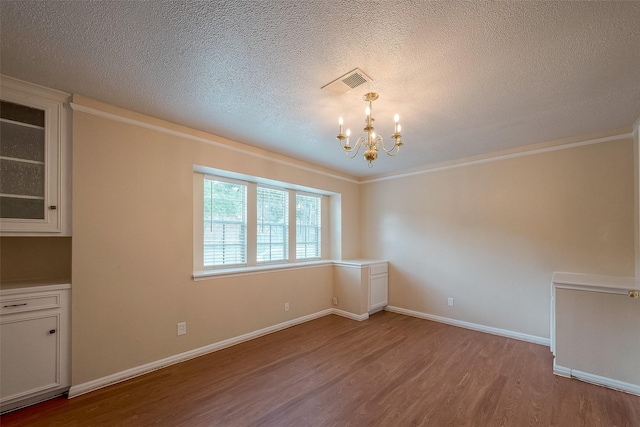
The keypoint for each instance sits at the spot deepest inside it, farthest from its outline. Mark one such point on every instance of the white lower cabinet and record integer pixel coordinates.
(34, 345)
(361, 286)
(378, 287)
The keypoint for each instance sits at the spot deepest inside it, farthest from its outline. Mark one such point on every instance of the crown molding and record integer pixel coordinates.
(491, 157)
(28, 88)
(497, 157)
(182, 134)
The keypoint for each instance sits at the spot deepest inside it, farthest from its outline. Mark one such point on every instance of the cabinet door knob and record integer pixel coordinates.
(53, 207)
(52, 331)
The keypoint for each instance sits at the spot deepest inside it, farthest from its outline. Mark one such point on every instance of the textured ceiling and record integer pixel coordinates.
(467, 78)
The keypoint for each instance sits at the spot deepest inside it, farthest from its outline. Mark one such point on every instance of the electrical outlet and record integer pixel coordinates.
(182, 328)
(286, 306)
(450, 302)
(335, 300)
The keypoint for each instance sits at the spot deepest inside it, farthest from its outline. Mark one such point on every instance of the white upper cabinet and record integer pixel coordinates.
(35, 197)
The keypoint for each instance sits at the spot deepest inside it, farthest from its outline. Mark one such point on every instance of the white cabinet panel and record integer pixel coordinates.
(32, 343)
(379, 291)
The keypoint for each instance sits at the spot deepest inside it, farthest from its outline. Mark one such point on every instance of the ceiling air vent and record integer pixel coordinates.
(345, 83)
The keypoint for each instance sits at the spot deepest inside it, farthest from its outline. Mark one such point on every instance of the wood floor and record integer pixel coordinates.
(391, 370)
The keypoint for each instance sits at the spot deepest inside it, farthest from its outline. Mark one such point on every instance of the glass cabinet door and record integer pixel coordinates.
(22, 162)
(34, 146)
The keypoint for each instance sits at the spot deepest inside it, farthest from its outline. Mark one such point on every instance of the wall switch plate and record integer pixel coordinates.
(335, 300)
(182, 328)
(450, 302)
(286, 306)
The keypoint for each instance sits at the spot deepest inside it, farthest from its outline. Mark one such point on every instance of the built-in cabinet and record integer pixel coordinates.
(34, 160)
(34, 344)
(378, 287)
(361, 286)
(594, 334)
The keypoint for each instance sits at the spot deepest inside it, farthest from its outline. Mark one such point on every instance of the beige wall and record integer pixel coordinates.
(35, 258)
(490, 235)
(132, 237)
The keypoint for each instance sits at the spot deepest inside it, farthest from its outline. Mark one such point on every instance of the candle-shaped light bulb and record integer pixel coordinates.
(367, 111)
(396, 119)
(340, 122)
(348, 133)
(399, 127)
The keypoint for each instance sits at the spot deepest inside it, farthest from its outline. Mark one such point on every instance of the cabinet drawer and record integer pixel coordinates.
(37, 302)
(378, 269)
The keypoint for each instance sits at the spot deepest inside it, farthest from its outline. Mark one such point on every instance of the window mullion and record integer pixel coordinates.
(252, 223)
(292, 226)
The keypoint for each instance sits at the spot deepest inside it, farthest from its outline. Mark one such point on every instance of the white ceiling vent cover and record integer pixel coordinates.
(345, 83)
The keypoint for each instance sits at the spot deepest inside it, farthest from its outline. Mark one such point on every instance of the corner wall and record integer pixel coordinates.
(491, 235)
(132, 244)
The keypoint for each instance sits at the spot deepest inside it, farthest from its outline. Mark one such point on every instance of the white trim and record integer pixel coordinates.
(34, 89)
(561, 370)
(243, 177)
(79, 389)
(596, 379)
(595, 283)
(474, 326)
(96, 384)
(123, 119)
(427, 169)
(256, 269)
(358, 317)
(500, 157)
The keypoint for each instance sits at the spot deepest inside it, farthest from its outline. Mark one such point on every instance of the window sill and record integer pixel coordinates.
(242, 271)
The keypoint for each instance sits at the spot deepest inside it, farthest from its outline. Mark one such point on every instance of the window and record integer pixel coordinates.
(308, 231)
(273, 225)
(225, 223)
(242, 223)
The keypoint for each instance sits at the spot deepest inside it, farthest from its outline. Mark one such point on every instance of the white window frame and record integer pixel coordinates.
(246, 231)
(201, 272)
(285, 226)
(319, 226)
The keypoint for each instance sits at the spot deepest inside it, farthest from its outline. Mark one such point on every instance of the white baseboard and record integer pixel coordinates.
(358, 317)
(474, 326)
(96, 384)
(561, 370)
(596, 379)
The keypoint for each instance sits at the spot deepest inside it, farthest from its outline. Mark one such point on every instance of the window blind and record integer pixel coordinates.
(308, 227)
(273, 224)
(225, 223)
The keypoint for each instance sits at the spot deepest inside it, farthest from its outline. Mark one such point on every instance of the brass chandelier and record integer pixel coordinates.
(370, 142)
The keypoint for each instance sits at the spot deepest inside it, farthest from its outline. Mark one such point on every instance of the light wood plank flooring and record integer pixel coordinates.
(391, 370)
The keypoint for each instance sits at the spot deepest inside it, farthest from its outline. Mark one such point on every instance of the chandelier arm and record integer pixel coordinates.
(390, 151)
(356, 148)
(345, 148)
